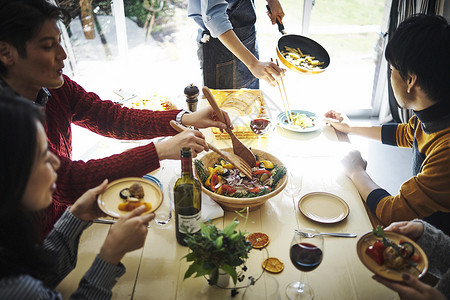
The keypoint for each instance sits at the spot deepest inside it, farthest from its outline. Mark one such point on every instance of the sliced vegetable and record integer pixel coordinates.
(263, 177)
(259, 189)
(375, 252)
(266, 164)
(228, 190)
(125, 194)
(226, 164)
(218, 169)
(214, 182)
(408, 249)
(258, 172)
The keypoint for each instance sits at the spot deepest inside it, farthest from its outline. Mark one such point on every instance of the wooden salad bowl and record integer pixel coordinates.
(236, 204)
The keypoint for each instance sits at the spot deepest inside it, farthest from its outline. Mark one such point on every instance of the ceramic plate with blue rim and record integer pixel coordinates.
(309, 119)
(154, 179)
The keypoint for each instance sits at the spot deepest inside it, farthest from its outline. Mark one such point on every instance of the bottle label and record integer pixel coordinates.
(189, 222)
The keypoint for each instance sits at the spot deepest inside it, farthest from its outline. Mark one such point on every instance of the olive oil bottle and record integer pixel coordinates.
(187, 199)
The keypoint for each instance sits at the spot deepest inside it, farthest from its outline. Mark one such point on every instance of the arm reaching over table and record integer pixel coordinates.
(341, 122)
(355, 168)
(267, 71)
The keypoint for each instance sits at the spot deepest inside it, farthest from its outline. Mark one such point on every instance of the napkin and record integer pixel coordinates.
(210, 209)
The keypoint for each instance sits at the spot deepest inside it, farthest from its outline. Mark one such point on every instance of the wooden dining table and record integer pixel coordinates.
(157, 270)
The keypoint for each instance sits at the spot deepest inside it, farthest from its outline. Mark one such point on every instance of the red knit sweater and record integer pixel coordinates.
(72, 104)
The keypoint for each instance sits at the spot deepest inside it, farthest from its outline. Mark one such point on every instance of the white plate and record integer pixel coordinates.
(323, 207)
(110, 199)
(282, 121)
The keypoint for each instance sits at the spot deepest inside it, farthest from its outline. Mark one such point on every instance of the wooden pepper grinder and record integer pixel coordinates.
(191, 92)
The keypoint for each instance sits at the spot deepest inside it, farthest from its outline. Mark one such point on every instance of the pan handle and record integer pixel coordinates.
(278, 20)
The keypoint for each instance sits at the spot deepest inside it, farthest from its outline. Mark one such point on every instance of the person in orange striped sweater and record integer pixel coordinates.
(419, 59)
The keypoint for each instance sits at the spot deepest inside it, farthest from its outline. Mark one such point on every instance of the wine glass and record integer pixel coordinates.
(306, 254)
(260, 122)
(295, 182)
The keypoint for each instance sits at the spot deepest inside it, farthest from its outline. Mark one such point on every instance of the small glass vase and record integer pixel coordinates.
(223, 280)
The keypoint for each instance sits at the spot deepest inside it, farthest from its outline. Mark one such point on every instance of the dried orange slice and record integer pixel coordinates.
(258, 240)
(273, 265)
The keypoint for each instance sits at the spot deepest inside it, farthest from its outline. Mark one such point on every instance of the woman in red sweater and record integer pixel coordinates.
(31, 63)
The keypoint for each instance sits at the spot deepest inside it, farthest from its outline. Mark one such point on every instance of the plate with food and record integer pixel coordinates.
(302, 121)
(389, 255)
(323, 207)
(155, 102)
(123, 195)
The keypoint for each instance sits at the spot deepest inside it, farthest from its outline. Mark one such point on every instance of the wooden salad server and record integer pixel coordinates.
(238, 147)
(235, 160)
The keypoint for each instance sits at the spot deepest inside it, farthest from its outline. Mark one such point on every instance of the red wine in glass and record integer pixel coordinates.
(305, 257)
(260, 126)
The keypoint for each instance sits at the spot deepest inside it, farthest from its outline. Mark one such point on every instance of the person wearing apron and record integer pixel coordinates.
(227, 45)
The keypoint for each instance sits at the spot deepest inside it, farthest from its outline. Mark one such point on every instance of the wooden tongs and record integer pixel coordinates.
(238, 147)
(235, 160)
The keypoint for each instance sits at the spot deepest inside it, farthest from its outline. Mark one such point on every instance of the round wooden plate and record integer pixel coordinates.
(323, 207)
(110, 199)
(395, 275)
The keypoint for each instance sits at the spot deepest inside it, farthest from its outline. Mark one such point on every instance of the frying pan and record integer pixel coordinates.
(306, 45)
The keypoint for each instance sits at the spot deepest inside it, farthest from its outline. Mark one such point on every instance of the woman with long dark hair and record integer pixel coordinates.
(29, 268)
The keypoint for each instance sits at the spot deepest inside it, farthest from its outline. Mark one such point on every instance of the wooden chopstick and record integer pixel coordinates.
(285, 102)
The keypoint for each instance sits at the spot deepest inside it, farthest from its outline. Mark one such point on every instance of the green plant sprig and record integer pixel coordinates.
(213, 249)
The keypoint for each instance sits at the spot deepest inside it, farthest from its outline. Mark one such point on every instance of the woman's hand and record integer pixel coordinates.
(170, 149)
(267, 71)
(276, 11)
(411, 229)
(411, 288)
(86, 208)
(337, 120)
(205, 118)
(127, 234)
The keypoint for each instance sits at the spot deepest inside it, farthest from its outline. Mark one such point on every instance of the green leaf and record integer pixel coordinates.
(219, 242)
(230, 270)
(229, 229)
(189, 256)
(379, 232)
(194, 268)
(234, 236)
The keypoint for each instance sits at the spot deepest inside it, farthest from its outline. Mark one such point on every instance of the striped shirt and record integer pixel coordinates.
(62, 243)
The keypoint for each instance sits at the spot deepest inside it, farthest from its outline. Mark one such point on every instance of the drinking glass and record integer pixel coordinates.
(294, 184)
(260, 122)
(306, 255)
(163, 214)
(266, 287)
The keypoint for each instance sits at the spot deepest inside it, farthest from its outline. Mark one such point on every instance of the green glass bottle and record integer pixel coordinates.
(187, 199)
